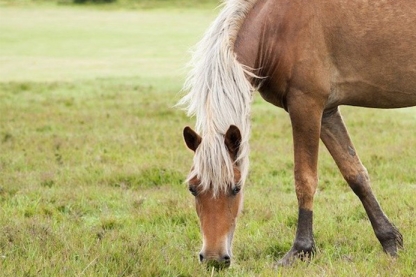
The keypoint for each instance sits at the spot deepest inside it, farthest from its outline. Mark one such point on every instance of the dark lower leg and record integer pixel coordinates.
(388, 235)
(304, 245)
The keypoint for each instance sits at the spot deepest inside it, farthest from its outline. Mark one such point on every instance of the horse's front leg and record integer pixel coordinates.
(305, 114)
(336, 139)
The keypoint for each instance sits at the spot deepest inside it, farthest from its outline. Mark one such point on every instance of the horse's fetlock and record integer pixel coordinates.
(391, 239)
(391, 235)
(305, 246)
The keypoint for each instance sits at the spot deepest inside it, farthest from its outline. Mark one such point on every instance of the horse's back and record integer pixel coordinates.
(350, 52)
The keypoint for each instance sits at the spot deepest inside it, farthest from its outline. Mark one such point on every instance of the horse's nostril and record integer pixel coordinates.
(201, 257)
(226, 258)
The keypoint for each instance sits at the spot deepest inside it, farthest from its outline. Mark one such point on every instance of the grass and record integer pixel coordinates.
(96, 43)
(92, 161)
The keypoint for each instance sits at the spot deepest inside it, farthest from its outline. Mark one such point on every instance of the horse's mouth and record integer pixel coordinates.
(218, 265)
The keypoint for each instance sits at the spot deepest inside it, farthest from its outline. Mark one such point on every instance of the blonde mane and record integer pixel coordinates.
(219, 95)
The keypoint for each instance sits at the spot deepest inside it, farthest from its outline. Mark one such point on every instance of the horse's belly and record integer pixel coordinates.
(373, 93)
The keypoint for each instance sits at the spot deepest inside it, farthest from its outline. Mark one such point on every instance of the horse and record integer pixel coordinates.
(309, 58)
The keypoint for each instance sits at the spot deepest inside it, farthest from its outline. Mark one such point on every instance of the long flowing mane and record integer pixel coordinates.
(219, 95)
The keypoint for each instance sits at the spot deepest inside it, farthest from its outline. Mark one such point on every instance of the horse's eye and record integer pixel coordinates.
(236, 190)
(193, 191)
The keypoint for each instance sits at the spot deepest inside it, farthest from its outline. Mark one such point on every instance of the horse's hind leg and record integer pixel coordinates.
(336, 139)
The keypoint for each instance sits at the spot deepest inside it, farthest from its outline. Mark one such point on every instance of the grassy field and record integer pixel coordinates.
(92, 161)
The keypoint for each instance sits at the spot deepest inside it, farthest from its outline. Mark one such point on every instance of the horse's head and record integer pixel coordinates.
(217, 209)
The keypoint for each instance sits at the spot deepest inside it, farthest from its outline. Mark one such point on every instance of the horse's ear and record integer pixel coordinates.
(192, 139)
(232, 140)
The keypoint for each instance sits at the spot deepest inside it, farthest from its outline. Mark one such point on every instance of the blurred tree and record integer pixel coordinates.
(93, 1)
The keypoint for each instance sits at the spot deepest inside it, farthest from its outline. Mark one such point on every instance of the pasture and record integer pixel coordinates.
(92, 161)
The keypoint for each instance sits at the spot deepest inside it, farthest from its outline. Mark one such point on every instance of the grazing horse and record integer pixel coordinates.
(307, 57)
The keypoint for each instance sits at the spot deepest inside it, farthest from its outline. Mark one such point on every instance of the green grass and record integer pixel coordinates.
(75, 43)
(92, 161)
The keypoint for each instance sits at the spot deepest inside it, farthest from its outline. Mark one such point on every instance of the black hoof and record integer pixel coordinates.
(293, 255)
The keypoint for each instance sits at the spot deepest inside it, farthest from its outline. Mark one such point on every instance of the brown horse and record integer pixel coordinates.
(307, 57)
